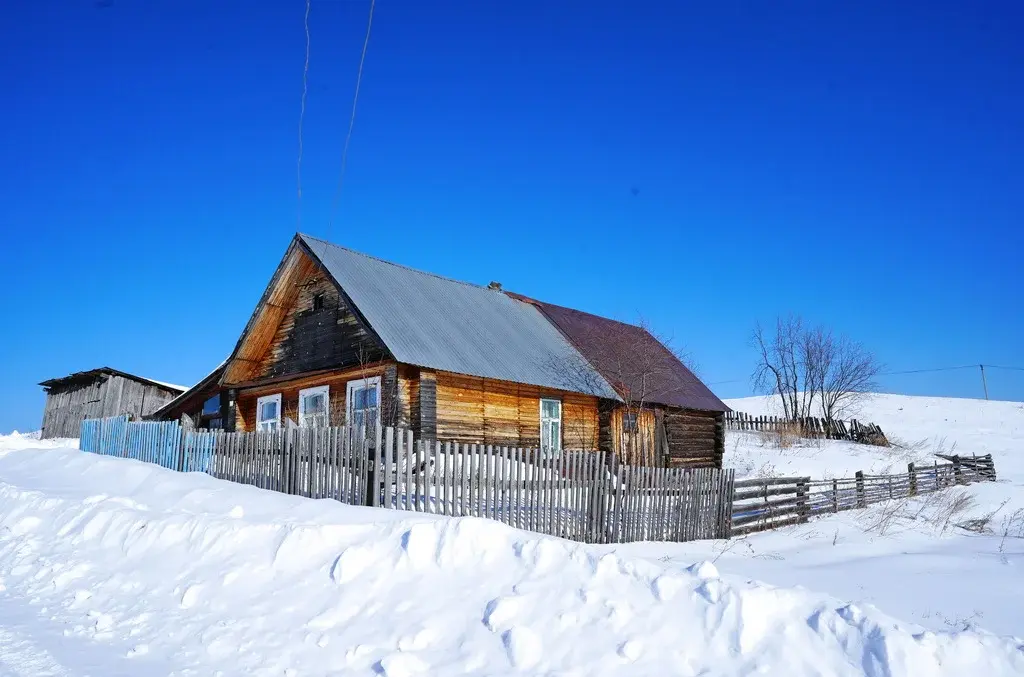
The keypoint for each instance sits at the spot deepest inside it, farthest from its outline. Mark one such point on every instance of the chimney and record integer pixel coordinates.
(495, 286)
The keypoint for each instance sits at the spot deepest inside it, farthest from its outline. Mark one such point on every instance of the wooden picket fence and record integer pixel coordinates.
(762, 504)
(161, 442)
(578, 495)
(810, 426)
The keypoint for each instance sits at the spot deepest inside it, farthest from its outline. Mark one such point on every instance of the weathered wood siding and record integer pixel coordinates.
(289, 334)
(486, 411)
(695, 438)
(337, 382)
(635, 447)
(69, 404)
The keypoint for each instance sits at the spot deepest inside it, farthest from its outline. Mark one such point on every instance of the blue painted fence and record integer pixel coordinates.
(160, 442)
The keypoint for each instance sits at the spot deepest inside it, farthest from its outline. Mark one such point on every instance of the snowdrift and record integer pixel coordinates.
(116, 567)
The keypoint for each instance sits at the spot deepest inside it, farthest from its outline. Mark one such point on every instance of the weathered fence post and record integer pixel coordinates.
(912, 474)
(957, 473)
(802, 509)
(835, 495)
(859, 475)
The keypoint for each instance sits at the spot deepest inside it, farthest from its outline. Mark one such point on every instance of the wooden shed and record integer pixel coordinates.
(98, 393)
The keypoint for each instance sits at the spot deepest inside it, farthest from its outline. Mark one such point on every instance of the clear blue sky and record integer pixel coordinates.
(704, 165)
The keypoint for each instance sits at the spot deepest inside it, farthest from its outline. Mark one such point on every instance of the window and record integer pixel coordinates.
(318, 302)
(314, 407)
(363, 398)
(268, 413)
(550, 427)
(212, 406)
(629, 421)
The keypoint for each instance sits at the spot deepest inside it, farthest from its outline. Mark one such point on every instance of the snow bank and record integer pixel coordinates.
(116, 567)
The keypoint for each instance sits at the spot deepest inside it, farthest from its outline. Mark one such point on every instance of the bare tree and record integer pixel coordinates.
(781, 368)
(803, 365)
(840, 370)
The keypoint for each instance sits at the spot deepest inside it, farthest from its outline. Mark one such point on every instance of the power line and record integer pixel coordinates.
(903, 372)
(302, 115)
(923, 371)
(351, 124)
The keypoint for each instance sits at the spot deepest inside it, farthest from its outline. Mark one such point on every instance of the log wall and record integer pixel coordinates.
(695, 438)
(485, 411)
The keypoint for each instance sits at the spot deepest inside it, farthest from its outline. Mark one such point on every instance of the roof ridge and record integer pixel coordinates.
(392, 263)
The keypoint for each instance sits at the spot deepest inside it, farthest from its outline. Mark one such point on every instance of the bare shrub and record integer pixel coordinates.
(885, 516)
(950, 506)
(783, 437)
(981, 525)
(1012, 526)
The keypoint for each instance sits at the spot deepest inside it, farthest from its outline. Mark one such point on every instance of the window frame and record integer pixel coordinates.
(215, 412)
(315, 390)
(359, 383)
(260, 401)
(211, 420)
(549, 419)
(626, 415)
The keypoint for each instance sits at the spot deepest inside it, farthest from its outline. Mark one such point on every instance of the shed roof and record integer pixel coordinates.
(438, 323)
(107, 371)
(208, 382)
(630, 358)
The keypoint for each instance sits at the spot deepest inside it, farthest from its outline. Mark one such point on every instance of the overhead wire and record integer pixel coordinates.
(302, 116)
(351, 124)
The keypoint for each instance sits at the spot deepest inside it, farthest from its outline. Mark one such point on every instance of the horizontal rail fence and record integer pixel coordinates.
(762, 504)
(577, 495)
(809, 426)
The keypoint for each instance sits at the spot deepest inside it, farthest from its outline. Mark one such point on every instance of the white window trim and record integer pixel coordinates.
(259, 410)
(361, 383)
(549, 418)
(316, 390)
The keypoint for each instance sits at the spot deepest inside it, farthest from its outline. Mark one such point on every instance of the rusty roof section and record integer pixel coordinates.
(629, 357)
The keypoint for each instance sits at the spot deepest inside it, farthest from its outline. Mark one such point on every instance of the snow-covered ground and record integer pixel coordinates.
(909, 558)
(113, 567)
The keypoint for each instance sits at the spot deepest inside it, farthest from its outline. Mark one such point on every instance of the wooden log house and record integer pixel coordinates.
(97, 393)
(342, 337)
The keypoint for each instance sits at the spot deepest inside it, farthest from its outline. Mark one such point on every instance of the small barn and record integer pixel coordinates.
(97, 393)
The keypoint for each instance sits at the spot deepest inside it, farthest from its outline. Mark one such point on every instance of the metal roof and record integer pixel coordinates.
(630, 358)
(438, 323)
(107, 371)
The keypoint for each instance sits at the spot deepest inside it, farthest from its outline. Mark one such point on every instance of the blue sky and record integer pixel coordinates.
(702, 165)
